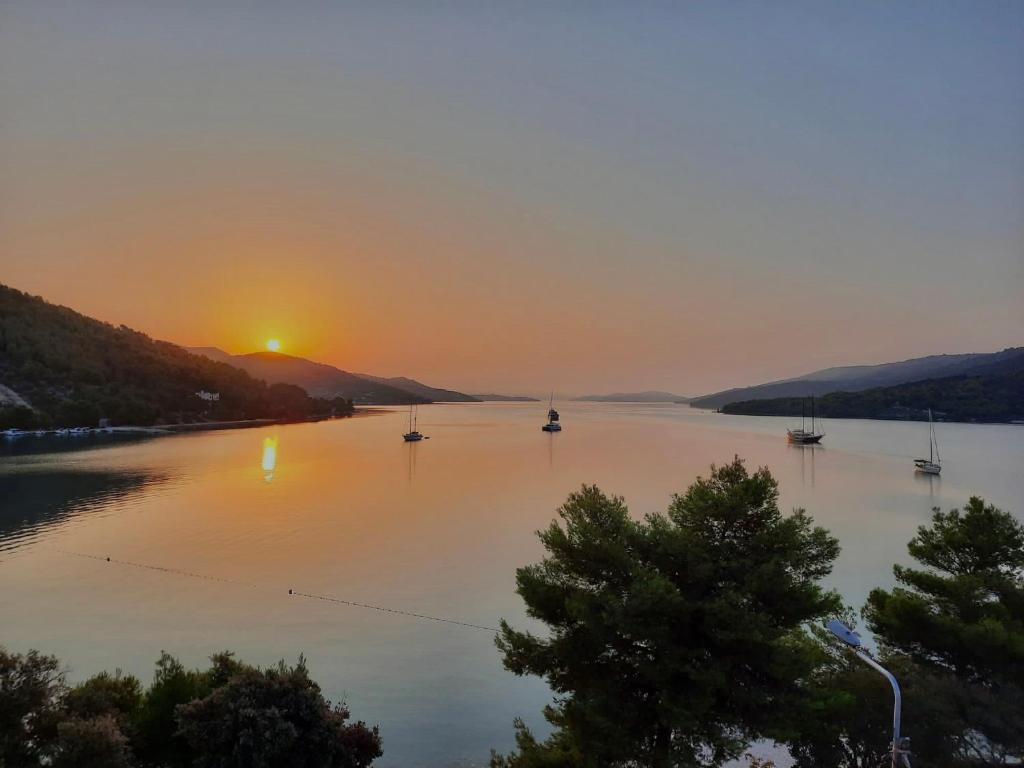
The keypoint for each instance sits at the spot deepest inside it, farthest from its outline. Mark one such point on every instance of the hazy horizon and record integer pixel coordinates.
(536, 390)
(508, 199)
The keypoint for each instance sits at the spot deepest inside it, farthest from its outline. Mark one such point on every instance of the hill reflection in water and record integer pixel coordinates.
(35, 500)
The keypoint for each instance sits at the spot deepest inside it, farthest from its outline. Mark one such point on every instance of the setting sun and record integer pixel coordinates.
(273, 345)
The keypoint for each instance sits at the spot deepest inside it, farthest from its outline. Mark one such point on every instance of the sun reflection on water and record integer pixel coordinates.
(269, 462)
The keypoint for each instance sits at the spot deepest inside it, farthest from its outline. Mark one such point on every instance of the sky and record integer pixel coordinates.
(516, 197)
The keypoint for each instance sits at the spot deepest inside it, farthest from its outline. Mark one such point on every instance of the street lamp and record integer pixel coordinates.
(900, 745)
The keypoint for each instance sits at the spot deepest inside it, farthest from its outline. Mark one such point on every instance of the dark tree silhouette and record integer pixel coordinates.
(675, 640)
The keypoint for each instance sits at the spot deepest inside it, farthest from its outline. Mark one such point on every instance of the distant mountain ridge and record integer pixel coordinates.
(323, 380)
(493, 398)
(434, 394)
(856, 378)
(991, 392)
(653, 396)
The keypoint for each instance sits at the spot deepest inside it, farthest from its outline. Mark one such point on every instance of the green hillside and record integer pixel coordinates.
(72, 370)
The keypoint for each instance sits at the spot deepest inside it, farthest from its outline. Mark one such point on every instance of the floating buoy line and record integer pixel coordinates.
(291, 591)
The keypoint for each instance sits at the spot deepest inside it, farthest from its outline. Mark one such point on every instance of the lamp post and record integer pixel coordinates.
(900, 745)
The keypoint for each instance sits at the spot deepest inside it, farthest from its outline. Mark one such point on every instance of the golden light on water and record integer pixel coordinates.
(274, 345)
(269, 462)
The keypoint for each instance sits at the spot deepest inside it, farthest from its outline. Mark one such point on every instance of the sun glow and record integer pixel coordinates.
(274, 345)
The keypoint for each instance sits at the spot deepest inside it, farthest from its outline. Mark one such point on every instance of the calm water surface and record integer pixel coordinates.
(345, 509)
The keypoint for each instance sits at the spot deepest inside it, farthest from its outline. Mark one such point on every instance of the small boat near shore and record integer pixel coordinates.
(933, 464)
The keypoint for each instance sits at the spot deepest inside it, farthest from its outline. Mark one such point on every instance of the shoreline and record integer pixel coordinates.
(196, 426)
(209, 426)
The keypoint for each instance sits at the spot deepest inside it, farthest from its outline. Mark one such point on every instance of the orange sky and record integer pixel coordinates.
(616, 211)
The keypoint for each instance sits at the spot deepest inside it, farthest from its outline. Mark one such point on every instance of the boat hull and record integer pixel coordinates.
(927, 467)
(412, 437)
(804, 439)
(552, 427)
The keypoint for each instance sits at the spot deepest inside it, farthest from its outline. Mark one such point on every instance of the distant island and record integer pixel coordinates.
(59, 368)
(993, 394)
(634, 397)
(856, 378)
(506, 398)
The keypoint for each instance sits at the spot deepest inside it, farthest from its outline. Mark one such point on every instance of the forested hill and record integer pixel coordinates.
(991, 397)
(855, 378)
(72, 370)
(319, 379)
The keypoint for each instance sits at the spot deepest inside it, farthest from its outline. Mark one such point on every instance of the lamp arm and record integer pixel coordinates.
(899, 755)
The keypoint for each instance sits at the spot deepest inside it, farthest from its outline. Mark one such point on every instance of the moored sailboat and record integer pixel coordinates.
(552, 425)
(933, 464)
(413, 434)
(802, 436)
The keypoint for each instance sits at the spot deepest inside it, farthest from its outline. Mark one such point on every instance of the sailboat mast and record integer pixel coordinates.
(812, 414)
(933, 444)
(803, 415)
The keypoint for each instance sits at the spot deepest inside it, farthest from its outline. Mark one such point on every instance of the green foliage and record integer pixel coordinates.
(558, 751)
(231, 714)
(94, 743)
(995, 397)
(274, 717)
(20, 417)
(116, 695)
(31, 689)
(846, 719)
(965, 611)
(953, 634)
(75, 370)
(156, 724)
(675, 640)
(961, 620)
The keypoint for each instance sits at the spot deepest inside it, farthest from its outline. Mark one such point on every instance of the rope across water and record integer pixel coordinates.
(293, 592)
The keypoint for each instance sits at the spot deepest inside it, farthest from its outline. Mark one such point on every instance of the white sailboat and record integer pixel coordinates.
(413, 434)
(552, 425)
(933, 464)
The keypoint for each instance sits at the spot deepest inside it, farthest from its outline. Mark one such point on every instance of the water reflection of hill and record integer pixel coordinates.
(35, 500)
(32, 445)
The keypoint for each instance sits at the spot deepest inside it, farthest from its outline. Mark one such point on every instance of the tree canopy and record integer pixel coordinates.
(274, 718)
(952, 631)
(960, 621)
(231, 714)
(677, 639)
